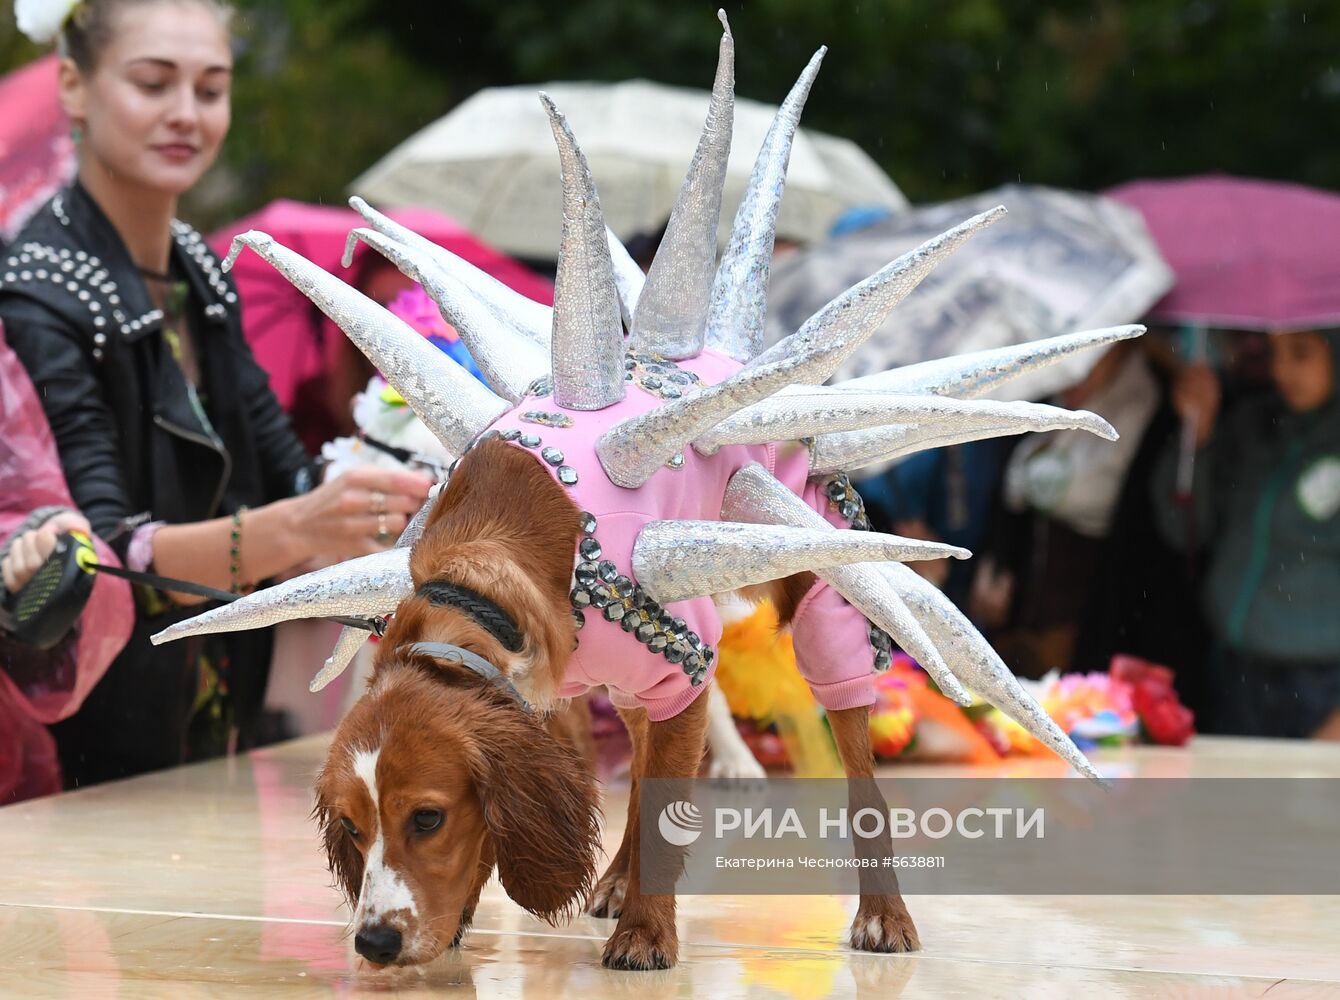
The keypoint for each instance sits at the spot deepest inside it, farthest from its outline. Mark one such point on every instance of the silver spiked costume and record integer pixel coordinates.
(687, 402)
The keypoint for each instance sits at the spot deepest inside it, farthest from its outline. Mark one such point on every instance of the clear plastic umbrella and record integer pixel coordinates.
(491, 164)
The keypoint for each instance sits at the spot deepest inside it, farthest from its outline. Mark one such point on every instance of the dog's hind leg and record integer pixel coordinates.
(645, 937)
(882, 922)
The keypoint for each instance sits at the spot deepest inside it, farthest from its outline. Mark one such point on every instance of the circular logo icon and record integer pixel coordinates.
(681, 823)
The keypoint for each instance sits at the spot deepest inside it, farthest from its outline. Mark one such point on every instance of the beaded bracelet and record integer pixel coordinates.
(235, 552)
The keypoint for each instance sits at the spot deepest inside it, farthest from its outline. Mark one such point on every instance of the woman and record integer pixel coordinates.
(1265, 511)
(171, 441)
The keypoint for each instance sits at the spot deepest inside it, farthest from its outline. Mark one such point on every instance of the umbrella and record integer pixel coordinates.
(491, 162)
(36, 155)
(289, 337)
(1059, 262)
(1248, 254)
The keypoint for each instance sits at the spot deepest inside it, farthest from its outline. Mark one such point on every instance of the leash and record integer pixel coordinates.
(375, 625)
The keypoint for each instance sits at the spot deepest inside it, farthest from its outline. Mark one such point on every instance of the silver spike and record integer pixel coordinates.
(414, 529)
(837, 330)
(947, 421)
(968, 376)
(980, 666)
(452, 404)
(362, 587)
(346, 648)
(510, 361)
(677, 560)
(807, 411)
(671, 315)
(588, 345)
(740, 293)
(526, 316)
(628, 277)
(634, 449)
(351, 639)
(755, 493)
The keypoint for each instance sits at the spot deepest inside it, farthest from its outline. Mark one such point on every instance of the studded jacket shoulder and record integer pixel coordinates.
(79, 315)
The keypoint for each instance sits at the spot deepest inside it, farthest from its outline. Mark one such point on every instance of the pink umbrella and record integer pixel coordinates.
(36, 154)
(292, 341)
(1248, 254)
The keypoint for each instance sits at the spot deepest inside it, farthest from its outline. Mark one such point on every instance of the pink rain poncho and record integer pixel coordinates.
(40, 687)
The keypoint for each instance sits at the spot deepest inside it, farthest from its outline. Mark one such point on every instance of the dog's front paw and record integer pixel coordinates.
(641, 948)
(736, 764)
(884, 925)
(607, 899)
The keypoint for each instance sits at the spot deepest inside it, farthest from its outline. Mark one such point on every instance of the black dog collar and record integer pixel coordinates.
(498, 623)
(448, 653)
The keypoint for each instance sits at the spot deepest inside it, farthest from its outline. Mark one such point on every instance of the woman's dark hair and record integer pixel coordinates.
(91, 26)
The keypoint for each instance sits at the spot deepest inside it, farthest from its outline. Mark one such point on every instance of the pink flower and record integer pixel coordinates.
(418, 310)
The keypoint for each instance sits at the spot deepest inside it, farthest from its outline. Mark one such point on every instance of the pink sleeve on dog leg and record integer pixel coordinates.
(833, 651)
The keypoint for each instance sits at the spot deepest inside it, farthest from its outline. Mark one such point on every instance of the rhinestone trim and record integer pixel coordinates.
(597, 584)
(843, 498)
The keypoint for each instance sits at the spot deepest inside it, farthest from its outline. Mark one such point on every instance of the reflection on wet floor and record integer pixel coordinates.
(206, 882)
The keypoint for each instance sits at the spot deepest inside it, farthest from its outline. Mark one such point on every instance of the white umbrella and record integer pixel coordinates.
(1059, 262)
(491, 164)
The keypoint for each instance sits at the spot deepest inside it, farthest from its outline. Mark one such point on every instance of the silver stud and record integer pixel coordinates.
(530, 440)
(552, 455)
(567, 475)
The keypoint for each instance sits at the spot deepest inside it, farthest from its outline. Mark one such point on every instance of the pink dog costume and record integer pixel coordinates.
(660, 660)
(702, 461)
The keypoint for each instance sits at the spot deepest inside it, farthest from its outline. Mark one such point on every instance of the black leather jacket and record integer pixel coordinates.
(78, 314)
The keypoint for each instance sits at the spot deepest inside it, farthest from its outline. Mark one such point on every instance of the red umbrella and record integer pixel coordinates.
(1248, 254)
(292, 341)
(36, 154)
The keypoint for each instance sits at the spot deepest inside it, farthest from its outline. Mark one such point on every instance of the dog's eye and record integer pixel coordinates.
(427, 820)
(348, 824)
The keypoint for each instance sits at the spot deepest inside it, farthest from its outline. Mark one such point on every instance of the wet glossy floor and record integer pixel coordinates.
(206, 882)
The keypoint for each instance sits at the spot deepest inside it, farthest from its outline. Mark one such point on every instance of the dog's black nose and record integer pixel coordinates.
(379, 943)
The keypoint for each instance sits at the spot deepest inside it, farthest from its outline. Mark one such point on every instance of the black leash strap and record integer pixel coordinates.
(374, 625)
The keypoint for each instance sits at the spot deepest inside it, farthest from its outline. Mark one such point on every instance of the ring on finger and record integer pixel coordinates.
(379, 502)
(383, 531)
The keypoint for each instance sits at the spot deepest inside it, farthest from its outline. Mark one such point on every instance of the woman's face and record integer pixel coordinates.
(155, 110)
(1301, 366)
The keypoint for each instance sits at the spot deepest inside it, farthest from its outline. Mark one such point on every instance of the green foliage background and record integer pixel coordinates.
(950, 97)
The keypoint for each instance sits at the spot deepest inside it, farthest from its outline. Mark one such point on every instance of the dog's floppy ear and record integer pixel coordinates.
(343, 858)
(540, 806)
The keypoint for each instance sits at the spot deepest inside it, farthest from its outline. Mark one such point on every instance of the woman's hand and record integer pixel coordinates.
(31, 549)
(1195, 397)
(358, 513)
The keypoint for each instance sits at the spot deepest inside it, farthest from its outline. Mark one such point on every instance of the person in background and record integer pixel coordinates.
(1058, 502)
(40, 686)
(172, 443)
(1265, 508)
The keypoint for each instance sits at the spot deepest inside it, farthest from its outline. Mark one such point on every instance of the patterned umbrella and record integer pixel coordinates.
(1059, 262)
(36, 154)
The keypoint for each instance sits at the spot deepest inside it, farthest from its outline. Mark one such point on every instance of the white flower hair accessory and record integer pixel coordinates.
(42, 20)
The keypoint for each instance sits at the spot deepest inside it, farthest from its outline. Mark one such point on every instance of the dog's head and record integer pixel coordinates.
(433, 778)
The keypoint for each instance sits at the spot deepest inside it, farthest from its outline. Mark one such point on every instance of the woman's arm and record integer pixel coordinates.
(339, 519)
(80, 419)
